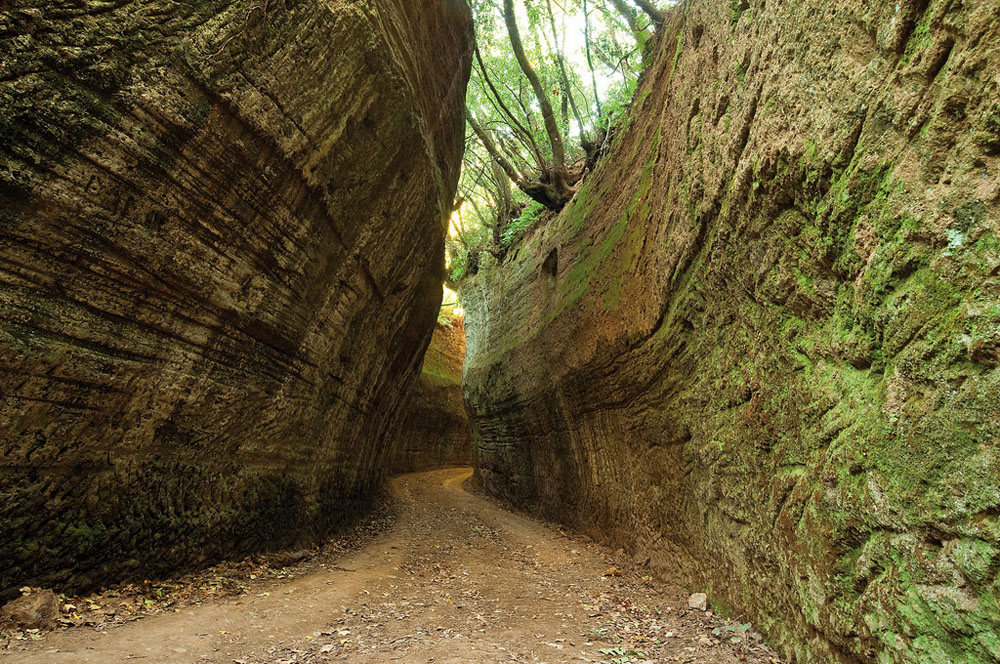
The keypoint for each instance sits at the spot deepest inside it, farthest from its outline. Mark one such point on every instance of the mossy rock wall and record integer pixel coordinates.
(760, 348)
(221, 231)
(433, 430)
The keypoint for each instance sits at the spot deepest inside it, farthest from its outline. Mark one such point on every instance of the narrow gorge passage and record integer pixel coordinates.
(456, 579)
(712, 283)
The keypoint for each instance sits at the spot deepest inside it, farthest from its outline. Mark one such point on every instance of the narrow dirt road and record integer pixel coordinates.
(456, 580)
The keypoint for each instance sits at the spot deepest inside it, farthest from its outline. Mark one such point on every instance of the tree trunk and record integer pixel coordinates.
(628, 13)
(558, 173)
(654, 14)
(584, 142)
(590, 60)
(551, 195)
(502, 107)
(487, 141)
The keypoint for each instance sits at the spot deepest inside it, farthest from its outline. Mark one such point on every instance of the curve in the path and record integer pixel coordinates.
(457, 579)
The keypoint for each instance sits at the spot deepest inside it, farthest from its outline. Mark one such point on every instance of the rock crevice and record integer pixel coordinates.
(433, 430)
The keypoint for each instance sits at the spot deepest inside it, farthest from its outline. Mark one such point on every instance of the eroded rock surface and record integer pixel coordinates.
(221, 234)
(760, 347)
(433, 430)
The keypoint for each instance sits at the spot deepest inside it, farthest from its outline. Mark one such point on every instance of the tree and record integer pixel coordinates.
(654, 14)
(551, 185)
(549, 79)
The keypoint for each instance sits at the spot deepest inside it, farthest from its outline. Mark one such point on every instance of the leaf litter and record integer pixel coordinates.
(471, 582)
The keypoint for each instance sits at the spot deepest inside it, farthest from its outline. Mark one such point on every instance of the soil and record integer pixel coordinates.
(456, 578)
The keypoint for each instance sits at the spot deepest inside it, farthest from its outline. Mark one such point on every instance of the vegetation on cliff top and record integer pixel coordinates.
(550, 79)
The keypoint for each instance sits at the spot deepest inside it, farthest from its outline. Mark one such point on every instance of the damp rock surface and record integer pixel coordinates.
(759, 347)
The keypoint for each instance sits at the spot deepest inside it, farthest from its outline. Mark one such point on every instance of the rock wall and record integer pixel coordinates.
(761, 346)
(433, 430)
(221, 233)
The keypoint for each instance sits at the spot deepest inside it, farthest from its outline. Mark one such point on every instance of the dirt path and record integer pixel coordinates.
(457, 579)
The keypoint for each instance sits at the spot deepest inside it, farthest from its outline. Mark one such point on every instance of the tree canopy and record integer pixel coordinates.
(550, 78)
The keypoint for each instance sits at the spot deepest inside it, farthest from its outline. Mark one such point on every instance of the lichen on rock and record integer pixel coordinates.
(767, 357)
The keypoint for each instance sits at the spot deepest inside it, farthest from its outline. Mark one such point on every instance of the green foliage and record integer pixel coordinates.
(526, 219)
(449, 312)
(465, 252)
(617, 104)
(620, 655)
(588, 65)
(736, 9)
